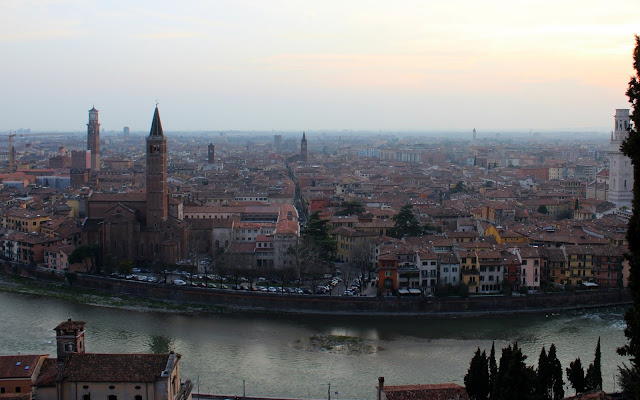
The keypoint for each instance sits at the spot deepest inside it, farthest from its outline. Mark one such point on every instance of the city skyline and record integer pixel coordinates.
(291, 66)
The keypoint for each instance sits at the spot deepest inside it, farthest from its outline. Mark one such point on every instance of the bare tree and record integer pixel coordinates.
(360, 259)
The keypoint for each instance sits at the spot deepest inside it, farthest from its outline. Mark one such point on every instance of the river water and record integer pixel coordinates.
(267, 351)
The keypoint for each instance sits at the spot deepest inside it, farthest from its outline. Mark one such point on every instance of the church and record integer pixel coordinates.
(143, 225)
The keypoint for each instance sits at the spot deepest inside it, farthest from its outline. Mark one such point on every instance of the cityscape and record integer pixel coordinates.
(431, 250)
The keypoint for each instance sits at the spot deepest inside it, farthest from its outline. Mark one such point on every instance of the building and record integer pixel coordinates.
(80, 165)
(277, 142)
(211, 153)
(76, 374)
(438, 391)
(620, 168)
(93, 138)
(141, 226)
(125, 131)
(303, 147)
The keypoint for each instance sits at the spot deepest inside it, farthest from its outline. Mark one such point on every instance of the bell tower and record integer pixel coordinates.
(93, 138)
(157, 189)
(303, 147)
(69, 338)
(620, 167)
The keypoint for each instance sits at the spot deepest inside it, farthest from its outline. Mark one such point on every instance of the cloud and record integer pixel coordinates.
(165, 35)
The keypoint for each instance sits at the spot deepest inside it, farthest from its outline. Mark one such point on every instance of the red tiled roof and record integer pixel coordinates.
(20, 366)
(48, 373)
(92, 367)
(441, 391)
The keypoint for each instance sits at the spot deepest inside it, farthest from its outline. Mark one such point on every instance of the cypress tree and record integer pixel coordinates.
(476, 380)
(543, 389)
(594, 372)
(515, 380)
(557, 383)
(493, 370)
(575, 374)
(630, 375)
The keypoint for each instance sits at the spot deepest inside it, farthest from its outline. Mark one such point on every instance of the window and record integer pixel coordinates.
(18, 389)
(2, 389)
(112, 397)
(138, 397)
(86, 397)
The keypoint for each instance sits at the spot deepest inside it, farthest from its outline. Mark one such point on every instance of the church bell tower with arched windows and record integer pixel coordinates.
(93, 138)
(157, 189)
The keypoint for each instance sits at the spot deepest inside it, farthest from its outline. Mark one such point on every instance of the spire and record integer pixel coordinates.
(303, 136)
(156, 126)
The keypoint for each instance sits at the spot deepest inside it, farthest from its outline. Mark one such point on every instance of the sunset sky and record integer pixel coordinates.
(311, 65)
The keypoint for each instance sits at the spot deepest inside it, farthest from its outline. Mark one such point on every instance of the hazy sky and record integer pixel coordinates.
(294, 65)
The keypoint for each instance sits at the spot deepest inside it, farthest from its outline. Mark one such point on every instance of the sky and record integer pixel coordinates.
(219, 65)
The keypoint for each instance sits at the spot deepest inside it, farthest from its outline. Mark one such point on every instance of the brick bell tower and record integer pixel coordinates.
(93, 138)
(157, 189)
(69, 338)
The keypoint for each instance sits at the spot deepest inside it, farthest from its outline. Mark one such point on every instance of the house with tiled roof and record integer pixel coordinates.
(18, 373)
(438, 391)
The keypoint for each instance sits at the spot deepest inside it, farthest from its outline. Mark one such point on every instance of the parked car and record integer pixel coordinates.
(179, 282)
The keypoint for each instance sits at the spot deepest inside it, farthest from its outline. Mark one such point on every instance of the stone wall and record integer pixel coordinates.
(335, 304)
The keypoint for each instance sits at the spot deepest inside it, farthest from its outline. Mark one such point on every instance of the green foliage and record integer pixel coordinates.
(70, 277)
(543, 209)
(594, 372)
(550, 383)
(458, 188)
(556, 383)
(476, 380)
(318, 231)
(507, 287)
(406, 223)
(125, 267)
(463, 290)
(565, 214)
(631, 148)
(575, 375)
(493, 368)
(351, 208)
(87, 253)
(515, 379)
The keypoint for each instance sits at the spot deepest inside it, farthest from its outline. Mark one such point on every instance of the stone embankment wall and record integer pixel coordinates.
(336, 304)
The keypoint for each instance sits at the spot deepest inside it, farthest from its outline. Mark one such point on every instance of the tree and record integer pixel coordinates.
(631, 148)
(125, 267)
(360, 259)
(575, 375)
(515, 379)
(87, 253)
(544, 376)
(351, 208)
(543, 209)
(556, 382)
(318, 230)
(476, 380)
(576, 206)
(406, 223)
(594, 372)
(493, 369)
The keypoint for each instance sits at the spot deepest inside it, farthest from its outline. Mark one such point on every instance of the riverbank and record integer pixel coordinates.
(104, 291)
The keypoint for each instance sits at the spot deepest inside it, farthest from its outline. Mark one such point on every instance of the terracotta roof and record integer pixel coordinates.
(441, 391)
(92, 367)
(69, 325)
(20, 366)
(48, 373)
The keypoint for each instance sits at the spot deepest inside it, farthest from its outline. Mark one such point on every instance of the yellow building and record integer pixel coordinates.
(505, 236)
(469, 269)
(349, 240)
(579, 265)
(22, 220)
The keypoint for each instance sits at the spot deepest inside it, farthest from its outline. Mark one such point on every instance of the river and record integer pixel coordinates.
(268, 351)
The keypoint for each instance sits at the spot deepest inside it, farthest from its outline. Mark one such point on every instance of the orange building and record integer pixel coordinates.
(17, 373)
(387, 274)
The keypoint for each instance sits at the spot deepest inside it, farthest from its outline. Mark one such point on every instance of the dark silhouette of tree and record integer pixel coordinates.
(87, 253)
(125, 266)
(575, 375)
(544, 376)
(515, 379)
(319, 231)
(476, 380)
(630, 375)
(543, 209)
(406, 223)
(556, 382)
(594, 372)
(493, 368)
(351, 208)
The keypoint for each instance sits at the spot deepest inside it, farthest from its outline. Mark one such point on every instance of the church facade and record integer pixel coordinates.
(145, 225)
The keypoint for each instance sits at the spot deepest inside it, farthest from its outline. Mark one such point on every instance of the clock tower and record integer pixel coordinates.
(93, 139)
(303, 147)
(157, 188)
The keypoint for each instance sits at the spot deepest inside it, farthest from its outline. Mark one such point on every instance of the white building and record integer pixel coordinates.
(620, 167)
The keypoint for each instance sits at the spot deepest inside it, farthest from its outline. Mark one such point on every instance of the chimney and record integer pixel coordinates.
(380, 387)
